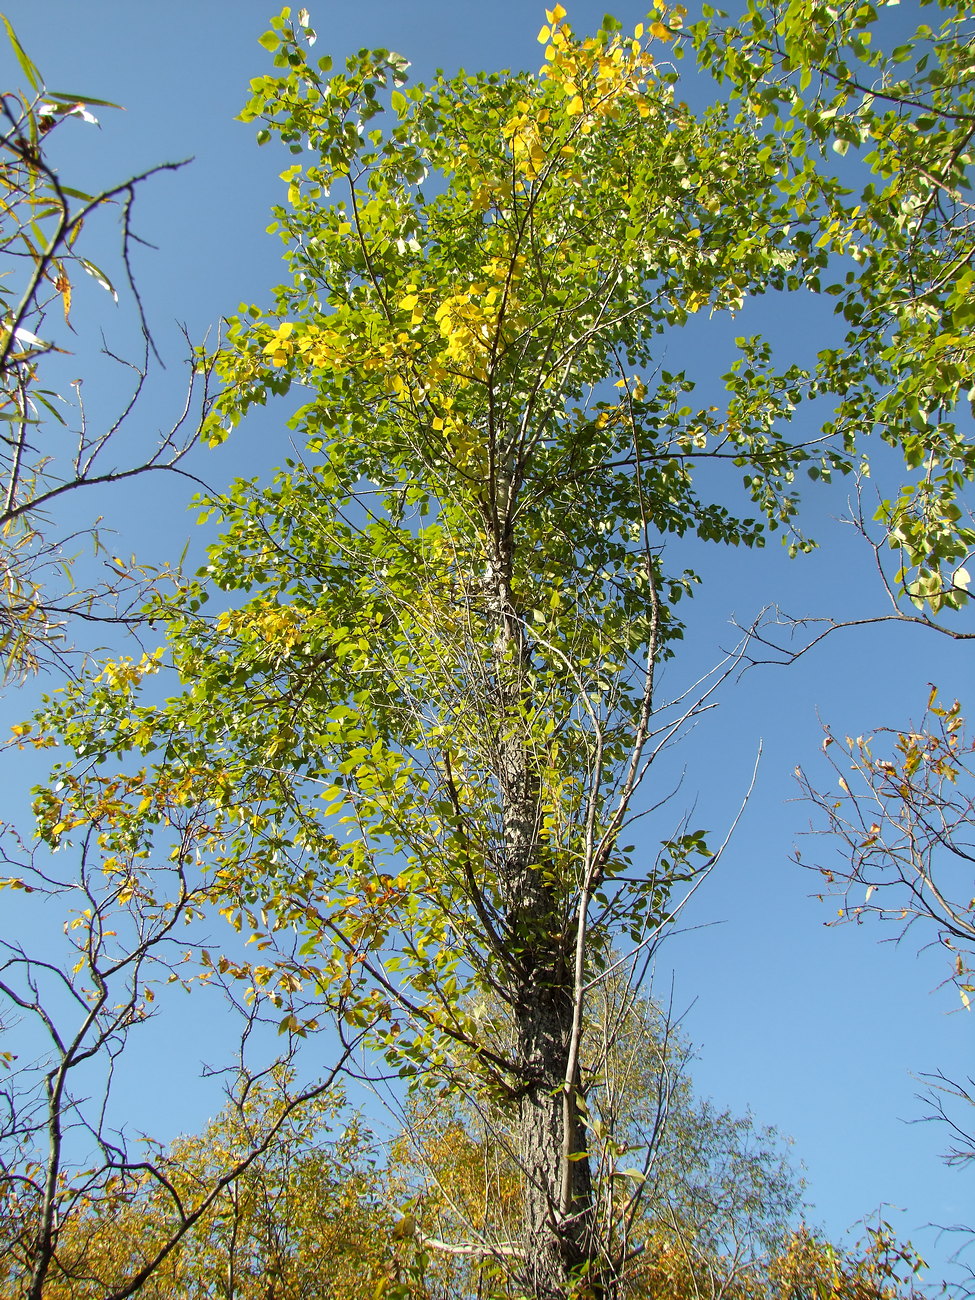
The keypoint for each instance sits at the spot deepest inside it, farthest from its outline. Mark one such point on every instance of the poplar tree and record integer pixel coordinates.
(427, 708)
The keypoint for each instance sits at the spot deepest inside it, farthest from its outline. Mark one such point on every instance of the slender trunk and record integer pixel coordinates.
(558, 1240)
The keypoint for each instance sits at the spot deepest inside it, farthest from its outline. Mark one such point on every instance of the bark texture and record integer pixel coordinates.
(559, 1256)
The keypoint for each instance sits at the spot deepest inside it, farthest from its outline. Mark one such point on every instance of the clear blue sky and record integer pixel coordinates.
(819, 1030)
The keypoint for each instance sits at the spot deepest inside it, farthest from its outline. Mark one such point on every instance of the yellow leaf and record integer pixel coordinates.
(63, 286)
(404, 1228)
(576, 105)
(555, 15)
(544, 34)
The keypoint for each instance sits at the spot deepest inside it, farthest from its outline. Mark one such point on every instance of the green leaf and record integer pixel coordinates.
(26, 65)
(99, 276)
(68, 99)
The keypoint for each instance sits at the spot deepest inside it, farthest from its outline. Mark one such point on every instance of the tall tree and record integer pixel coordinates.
(435, 714)
(429, 707)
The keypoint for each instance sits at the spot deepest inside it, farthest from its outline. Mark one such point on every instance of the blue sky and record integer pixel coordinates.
(820, 1030)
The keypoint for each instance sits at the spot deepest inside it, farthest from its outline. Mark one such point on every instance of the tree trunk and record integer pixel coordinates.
(558, 1240)
(558, 1231)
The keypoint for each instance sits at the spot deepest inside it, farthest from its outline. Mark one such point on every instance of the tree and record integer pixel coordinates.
(428, 707)
(307, 1220)
(303, 1219)
(132, 900)
(438, 706)
(51, 445)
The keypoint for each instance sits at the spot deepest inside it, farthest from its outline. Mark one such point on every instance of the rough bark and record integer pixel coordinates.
(560, 1250)
(559, 1256)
